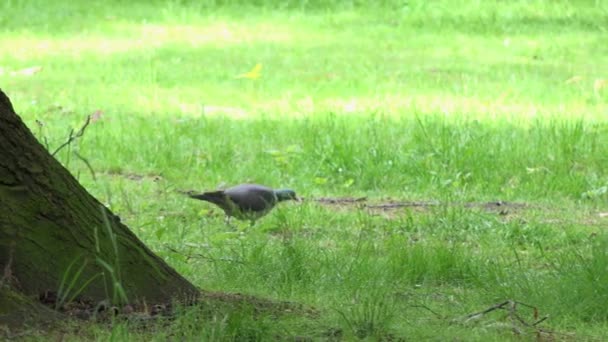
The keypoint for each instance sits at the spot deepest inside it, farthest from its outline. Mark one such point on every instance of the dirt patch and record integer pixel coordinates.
(499, 207)
(134, 176)
(390, 205)
(86, 309)
(340, 200)
(261, 305)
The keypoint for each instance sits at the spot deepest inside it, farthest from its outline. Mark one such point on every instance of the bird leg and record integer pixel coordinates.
(227, 222)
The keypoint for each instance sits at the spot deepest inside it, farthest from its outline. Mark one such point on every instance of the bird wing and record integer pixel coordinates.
(252, 197)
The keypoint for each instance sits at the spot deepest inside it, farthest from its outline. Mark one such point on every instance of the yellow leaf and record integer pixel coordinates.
(503, 96)
(252, 74)
(599, 84)
(204, 212)
(27, 71)
(320, 180)
(573, 79)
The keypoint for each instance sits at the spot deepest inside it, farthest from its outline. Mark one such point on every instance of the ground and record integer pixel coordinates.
(451, 155)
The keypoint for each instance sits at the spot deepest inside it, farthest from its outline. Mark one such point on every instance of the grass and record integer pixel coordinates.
(447, 101)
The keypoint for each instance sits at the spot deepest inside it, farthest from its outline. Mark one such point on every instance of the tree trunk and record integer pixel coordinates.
(54, 236)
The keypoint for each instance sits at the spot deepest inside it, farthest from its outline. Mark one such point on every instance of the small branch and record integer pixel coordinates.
(490, 309)
(40, 128)
(540, 321)
(427, 309)
(86, 162)
(73, 136)
(517, 322)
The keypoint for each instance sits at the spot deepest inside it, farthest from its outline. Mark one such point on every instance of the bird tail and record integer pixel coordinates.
(216, 197)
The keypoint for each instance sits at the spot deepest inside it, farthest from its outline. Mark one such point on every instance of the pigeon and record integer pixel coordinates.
(246, 201)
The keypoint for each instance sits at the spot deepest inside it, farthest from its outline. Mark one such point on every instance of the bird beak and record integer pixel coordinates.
(298, 199)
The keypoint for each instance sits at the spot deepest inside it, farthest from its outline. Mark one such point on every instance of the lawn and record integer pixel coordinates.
(452, 155)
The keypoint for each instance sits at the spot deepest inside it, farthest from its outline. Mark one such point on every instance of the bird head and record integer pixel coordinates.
(286, 195)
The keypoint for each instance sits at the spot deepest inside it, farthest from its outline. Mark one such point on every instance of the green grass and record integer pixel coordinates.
(447, 101)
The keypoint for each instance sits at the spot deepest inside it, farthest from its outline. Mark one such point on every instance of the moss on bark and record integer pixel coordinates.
(18, 310)
(48, 220)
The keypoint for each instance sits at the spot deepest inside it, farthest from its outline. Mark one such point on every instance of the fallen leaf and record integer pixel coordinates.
(349, 182)
(27, 71)
(503, 96)
(96, 116)
(573, 79)
(252, 74)
(320, 180)
(599, 84)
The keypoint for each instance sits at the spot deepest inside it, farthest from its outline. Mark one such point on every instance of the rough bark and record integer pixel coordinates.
(49, 221)
(18, 310)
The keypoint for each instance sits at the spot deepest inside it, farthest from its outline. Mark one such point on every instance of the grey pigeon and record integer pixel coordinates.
(246, 201)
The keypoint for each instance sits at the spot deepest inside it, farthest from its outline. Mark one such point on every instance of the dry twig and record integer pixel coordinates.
(517, 321)
(73, 136)
(86, 162)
